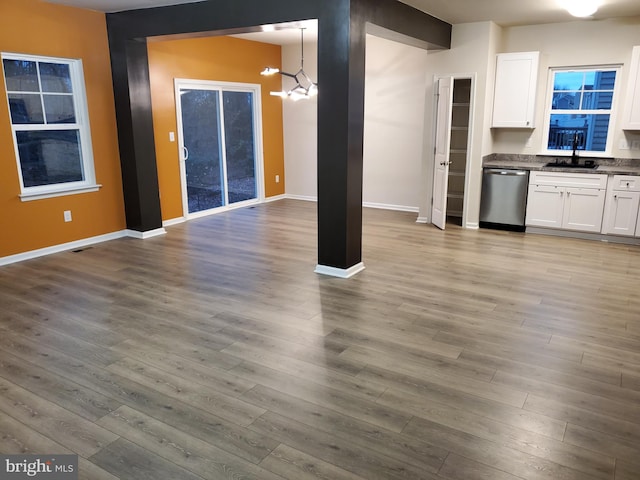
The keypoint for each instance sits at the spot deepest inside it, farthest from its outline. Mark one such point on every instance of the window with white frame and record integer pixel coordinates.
(50, 124)
(579, 115)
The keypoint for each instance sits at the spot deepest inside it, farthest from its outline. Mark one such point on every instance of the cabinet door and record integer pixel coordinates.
(545, 206)
(632, 112)
(515, 90)
(583, 208)
(621, 213)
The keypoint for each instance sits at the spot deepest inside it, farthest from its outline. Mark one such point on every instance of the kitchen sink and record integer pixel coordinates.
(571, 165)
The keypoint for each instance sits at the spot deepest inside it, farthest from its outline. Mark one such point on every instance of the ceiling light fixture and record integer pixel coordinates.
(304, 87)
(581, 8)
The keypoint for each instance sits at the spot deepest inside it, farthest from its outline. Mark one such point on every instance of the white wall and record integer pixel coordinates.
(300, 126)
(580, 43)
(395, 90)
(393, 130)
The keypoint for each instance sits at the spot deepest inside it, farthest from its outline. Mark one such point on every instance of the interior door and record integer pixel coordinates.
(442, 149)
(218, 133)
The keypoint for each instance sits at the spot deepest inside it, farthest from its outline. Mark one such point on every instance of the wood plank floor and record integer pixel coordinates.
(215, 352)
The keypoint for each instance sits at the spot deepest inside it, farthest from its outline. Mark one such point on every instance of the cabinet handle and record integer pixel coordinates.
(615, 197)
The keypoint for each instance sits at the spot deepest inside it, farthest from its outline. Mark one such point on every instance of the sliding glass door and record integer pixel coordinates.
(218, 126)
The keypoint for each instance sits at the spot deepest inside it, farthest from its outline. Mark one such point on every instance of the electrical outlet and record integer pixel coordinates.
(67, 216)
(624, 144)
(172, 136)
(277, 178)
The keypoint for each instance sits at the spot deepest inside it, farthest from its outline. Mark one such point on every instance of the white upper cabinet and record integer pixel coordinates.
(632, 110)
(516, 85)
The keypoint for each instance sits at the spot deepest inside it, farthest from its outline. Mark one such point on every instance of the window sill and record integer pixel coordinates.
(28, 197)
(568, 153)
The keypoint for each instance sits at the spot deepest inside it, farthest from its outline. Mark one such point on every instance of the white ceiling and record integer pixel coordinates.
(517, 12)
(502, 12)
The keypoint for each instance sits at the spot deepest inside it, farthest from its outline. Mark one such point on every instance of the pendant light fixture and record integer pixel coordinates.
(304, 88)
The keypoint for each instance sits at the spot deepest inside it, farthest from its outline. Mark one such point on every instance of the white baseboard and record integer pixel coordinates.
(472, 226)
(340, 272)
(380, 206)
(275, 198)
(145, 235)
(386, 206)
(301, 197)
(41, 252)
(85, 242)
(173, 221)
(422, 220)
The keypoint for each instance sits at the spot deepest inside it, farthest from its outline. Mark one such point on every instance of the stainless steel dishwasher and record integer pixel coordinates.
(504, 198)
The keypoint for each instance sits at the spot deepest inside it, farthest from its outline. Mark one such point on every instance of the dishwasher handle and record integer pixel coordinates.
(507, 172)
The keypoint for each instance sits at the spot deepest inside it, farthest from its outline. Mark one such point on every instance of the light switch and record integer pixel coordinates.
(172, 136)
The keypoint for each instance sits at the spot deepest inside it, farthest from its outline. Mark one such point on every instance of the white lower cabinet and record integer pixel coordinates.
(583, 209)
(621, 208)
(544, 206)
(566, 201)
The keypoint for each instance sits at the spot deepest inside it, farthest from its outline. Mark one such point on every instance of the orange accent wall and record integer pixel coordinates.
(225, 59)
(39, 28)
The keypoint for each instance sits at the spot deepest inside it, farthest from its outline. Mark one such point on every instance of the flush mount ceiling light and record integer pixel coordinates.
(581, 8)
(304, 87)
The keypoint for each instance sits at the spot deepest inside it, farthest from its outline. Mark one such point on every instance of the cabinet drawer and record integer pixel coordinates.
(585, 180)
(626, 183)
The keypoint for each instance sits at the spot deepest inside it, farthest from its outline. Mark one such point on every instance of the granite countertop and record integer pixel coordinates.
(614, 170)
(537, 163)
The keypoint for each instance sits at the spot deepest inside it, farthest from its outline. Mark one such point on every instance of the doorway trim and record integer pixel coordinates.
(221, 86)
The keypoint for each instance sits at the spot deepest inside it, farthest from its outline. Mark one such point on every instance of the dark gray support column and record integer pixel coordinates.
(340, 137)
(135, 135)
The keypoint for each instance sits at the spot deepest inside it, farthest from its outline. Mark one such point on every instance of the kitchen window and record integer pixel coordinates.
(50, 125)
(580, 110)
